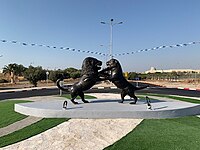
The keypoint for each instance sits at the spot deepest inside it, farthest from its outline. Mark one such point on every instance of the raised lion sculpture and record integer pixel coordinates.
(89, 77)
(115, 75)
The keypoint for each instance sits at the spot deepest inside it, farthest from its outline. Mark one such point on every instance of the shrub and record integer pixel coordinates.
(35, 74)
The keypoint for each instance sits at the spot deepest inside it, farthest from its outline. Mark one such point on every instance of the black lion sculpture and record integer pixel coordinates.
(115, 75)
(89, 77)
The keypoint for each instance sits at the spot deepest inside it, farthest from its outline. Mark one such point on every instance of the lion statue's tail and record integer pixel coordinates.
(60, 87)
(142, 87)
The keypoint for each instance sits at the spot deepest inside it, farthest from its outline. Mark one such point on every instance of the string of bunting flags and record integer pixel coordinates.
(54, 47)
(158, 47)
(100, 53)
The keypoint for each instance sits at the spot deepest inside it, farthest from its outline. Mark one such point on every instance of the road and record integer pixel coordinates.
(45, 92)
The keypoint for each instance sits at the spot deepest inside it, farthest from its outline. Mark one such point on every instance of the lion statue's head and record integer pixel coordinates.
(113, 63)
(91, 66)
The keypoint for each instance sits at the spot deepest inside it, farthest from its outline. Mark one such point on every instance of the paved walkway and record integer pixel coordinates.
(79, 134)
(18, 125)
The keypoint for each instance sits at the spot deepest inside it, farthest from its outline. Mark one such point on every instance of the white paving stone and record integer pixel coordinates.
(79, 134)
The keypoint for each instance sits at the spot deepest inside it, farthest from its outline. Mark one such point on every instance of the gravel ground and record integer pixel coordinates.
(175, 84)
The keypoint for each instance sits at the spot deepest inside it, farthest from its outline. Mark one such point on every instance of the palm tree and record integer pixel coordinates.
(10, 69)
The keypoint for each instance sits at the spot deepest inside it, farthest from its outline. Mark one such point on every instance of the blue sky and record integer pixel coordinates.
(76, 24)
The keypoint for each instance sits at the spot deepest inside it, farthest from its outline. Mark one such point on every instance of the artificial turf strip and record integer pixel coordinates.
(185, 99)
(68, 96)
(29, 131)
(178, 98)
(162, 134)
(7, 113)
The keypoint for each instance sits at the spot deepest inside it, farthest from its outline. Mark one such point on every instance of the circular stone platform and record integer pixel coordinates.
(102, 108)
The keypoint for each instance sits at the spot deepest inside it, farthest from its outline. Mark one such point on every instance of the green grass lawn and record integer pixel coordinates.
(29, 131)
(9, 116)
(162, 134)
(7, 113)
(191, 100)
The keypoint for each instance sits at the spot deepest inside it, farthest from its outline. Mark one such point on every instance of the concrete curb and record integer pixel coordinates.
(44, 88)
(188, 89)
(181, 88)
(22, 90)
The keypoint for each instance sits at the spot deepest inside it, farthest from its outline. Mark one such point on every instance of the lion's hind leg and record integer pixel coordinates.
(81, 94)
(123, 94)
(134, 97)
(73, 97)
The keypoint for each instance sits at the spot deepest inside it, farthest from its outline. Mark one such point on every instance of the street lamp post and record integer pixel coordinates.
(105, 56)
(111, 24)
(47, 74)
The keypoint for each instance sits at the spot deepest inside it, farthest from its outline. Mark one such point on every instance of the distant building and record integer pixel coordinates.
(154, 70)
(1, 70)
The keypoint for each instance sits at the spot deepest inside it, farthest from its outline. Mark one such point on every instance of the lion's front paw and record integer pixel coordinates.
(132, 103)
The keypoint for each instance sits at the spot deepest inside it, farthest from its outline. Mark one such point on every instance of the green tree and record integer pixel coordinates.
(174, 73)
(143, 76)
(11, 70)
(73, 73)
(56, 74)
(132, 75)
(20, 70)
(14, 70)
(70, 70)
(35, 74)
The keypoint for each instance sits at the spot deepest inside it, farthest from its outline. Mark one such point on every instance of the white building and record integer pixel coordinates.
(154, 70)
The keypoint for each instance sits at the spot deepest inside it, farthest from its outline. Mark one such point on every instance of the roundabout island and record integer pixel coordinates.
(109, 109)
